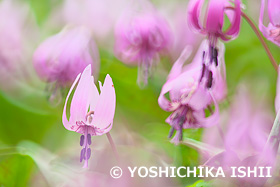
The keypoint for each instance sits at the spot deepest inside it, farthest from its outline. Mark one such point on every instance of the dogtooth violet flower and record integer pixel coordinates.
(91, 113)
(272, 31)
(192, 88)
(214, 27)
(139, 39)
(61, 57)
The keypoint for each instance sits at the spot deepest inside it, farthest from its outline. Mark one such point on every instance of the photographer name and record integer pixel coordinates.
(199, 171)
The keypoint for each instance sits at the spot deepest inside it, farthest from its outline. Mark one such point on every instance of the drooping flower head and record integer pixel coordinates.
(61, 57)
(272, 31)
(139, 39)
(91, 113)
(192, 89)
(216, 10)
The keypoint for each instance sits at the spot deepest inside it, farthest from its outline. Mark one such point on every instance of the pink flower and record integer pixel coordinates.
(89, 12)
(245, 138)
(215, 13)
(91, 113)
(192, 89)
(139, 39)
(61, 57)
(272, 31)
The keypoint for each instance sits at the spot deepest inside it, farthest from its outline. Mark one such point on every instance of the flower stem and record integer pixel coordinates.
(113, 146)
(257, 32)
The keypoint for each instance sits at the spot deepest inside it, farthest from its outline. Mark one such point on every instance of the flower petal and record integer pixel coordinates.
(274, 11)
(64, 117)
(105, 107)
(81, 98)
(235, 23)
(178, 65)
(94, 95)
(194, 14)
(164, 103)
(215, 16)
(214, 118)
(262, 28)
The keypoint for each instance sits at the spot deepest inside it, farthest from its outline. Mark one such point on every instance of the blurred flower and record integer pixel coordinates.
(17, 32)
(183, 34)
(139, 39)
(272, 32)
(60, 58)
(99, 119)
(245, 139)
(215, 19)
(191, 90)
(89, 12)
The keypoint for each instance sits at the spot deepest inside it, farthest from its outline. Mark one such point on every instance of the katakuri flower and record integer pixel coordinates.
(61, 57)
(192, 89)
(139, 39)
(214, 27)
(272, 31)
(91, 113)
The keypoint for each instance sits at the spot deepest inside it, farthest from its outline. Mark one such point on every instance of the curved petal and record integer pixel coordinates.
(263, 28)
(81, 97)
(105, 107)
(273, 7)
(198, 58)
(213, 119)
(215, 16)
(234, 29)
(164, 103)
(65, 121)
(200, 99)
(194, 8)
(94, 95)
(178, 65)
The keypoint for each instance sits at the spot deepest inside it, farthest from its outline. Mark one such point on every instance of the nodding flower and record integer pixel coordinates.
(214, 27)
(61, 57)
(91, 113)
(140, 39)
(192, 89)
(272, 31)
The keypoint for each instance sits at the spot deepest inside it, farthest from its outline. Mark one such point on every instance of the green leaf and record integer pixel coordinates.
(15, 170)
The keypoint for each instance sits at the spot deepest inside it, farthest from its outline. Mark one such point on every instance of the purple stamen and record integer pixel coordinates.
(82, 140)
(211, 54)
(180, 134)
(210, 79)
(82, 156)
(88, 153)
(89, 139)
(215, 56)
(203, 72)
(171, 132)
